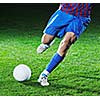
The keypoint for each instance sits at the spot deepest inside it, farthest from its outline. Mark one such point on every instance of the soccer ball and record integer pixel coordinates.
(22, 73)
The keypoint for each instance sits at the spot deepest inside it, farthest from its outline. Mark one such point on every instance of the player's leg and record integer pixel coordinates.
(46, 41)
(65, 44)
(75, 28)
(51, 30)
(67, 41)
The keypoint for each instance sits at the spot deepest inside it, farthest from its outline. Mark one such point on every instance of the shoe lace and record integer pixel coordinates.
(44, 79)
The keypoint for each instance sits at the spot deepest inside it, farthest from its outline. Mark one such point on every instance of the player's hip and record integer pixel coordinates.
(60, 19)
(60, 23)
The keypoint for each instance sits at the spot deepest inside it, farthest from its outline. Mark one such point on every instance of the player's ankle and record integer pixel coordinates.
(45, 73)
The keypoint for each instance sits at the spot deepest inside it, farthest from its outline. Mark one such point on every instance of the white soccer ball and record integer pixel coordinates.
(22, 73)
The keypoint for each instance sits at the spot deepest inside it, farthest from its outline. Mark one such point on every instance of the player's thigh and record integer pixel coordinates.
(46, 38)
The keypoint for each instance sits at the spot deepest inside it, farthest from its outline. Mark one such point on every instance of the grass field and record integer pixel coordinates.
(20, 34)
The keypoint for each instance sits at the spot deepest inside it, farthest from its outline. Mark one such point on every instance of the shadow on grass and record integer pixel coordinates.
(80, 89)
(32, 83)
(89, 77)
(68, 88)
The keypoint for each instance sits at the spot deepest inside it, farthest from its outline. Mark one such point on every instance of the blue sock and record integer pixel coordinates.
(54, 62)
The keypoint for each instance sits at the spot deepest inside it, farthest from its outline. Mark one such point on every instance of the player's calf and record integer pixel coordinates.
(47, 41)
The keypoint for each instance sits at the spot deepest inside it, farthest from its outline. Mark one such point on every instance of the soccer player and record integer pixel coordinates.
(69, 21)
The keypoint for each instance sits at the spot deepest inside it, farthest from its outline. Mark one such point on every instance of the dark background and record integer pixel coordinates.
(9, 9)
(29, 15)
(27, 9)
(49, 7)
(36, 14)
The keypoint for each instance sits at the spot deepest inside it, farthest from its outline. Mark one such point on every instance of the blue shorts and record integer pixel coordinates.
(60, 23)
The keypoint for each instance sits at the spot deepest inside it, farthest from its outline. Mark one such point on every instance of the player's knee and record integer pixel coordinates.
(46, 39)
(66, 43)
(64, 46)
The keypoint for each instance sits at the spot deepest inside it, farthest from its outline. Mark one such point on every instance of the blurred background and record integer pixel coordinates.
(33, 13)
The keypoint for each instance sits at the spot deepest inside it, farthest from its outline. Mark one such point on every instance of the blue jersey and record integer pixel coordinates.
(76, 9)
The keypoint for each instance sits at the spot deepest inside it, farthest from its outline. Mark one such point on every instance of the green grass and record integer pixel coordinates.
(77, 75)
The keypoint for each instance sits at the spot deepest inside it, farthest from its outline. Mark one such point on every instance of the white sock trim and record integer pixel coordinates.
(45, 72)
(45, 45)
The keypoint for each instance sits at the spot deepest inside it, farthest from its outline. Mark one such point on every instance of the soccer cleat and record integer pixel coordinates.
(43, 81)
(42, 47)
